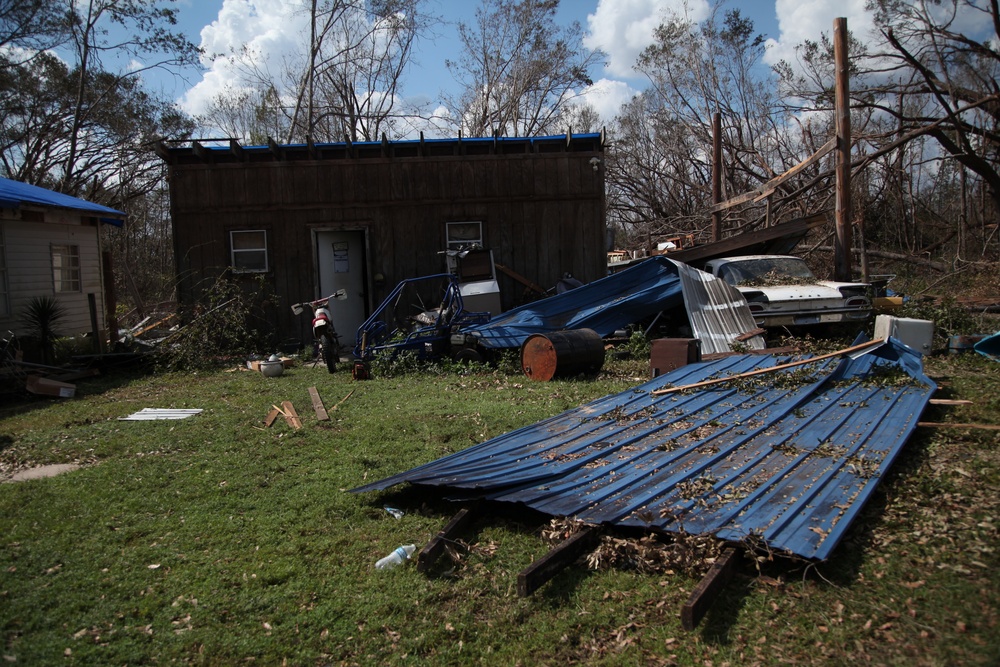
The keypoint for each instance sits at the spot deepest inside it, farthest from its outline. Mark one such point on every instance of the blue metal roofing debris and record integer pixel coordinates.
(14, 194)
(716, 311)
(989, 347)
(788, 457)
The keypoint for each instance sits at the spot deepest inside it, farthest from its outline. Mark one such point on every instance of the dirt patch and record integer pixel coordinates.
(41, 472)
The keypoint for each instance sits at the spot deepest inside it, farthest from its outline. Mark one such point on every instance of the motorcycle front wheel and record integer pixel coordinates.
(330, 355)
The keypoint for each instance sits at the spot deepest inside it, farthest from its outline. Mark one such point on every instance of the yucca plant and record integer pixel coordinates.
(41, 316)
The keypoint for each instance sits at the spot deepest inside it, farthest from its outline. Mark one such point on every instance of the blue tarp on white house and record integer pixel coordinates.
(14, 194)
(787, 458)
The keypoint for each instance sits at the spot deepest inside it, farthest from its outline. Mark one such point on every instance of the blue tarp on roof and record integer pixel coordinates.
(787, 457)
(14, 194)
(658, 284)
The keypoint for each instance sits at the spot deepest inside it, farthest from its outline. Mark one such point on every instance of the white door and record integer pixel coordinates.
(340, 258)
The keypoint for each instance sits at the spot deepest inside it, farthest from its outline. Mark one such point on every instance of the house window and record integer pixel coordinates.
(249, 251)
(464, 234)
(66, 268)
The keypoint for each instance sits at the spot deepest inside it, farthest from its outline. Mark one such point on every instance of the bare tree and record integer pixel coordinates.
(144, 32)
(30, 27)
(343, 82)
(925, 112)
(949, 72)
(518, 70)
(660, 164)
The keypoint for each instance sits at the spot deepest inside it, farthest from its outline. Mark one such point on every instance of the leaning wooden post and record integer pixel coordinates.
(716, 174)
(842, 103)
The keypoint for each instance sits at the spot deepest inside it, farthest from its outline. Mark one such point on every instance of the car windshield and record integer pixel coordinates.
(764, 271)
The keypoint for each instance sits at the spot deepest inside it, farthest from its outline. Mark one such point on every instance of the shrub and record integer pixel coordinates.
(228, 323)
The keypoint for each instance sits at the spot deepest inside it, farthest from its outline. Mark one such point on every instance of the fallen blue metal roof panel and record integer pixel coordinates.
(717, 312)
(788, 457)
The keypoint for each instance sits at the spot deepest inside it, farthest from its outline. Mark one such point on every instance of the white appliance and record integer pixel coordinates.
(917, 334)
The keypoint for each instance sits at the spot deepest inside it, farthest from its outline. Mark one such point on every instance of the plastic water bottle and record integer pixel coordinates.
(396, 557)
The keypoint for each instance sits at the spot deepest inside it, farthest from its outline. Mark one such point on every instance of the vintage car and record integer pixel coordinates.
(782, 291)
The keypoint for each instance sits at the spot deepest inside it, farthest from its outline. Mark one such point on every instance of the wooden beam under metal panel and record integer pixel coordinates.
(237, 150)
(201, 152)
(430, 553)
(423, 148)
(349, 145)
(519, 278)
(163, 152)
(275, 149)
(386, 150)
(535, 575)
(708, 589)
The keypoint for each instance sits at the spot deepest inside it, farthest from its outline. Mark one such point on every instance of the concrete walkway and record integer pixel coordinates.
(41, 472)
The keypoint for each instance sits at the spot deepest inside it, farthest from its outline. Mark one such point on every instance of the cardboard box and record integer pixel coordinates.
(45, 387)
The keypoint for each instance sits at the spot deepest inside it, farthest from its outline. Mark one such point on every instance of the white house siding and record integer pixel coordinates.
(29, 271)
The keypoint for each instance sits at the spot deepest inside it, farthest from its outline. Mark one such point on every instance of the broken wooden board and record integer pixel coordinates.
(271, 416)
(291, 416)
(983, 427)
(318, 407)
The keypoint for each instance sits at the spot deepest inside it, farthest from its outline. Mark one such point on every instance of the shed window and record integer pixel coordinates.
(249, 250)
(66, 268)
(464, 234)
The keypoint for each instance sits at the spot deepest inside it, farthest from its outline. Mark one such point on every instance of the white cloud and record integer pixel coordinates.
(271, 29)
(623, 28)
(607, 96)
(799, 20)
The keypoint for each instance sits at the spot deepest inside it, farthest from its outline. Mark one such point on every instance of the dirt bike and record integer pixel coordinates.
(324, 334)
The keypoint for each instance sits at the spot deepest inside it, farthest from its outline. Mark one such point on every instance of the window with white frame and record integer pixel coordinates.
(464, 234)
(249, 250)
(65, 268)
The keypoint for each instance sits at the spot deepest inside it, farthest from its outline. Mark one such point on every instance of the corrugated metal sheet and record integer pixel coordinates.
(14, 194)
(717, 313)
(787, 457)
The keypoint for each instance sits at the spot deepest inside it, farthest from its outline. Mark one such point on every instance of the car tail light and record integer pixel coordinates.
(858, 302)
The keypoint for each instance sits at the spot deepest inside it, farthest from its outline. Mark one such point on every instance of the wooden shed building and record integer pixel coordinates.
(314, 218)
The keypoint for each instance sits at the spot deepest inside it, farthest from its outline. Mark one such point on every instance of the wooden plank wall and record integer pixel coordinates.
(542, 214)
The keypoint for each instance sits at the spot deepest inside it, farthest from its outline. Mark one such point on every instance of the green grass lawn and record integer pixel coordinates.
(216, 541)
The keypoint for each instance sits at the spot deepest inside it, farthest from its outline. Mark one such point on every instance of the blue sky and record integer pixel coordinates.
(621, 28)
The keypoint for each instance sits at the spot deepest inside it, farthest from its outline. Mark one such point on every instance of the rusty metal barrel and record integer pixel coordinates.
(562, 354)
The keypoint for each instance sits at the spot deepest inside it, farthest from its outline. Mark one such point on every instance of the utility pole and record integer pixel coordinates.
(716, 174)
(842, 110)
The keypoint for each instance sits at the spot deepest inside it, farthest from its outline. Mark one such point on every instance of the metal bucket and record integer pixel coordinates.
(562, 354)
